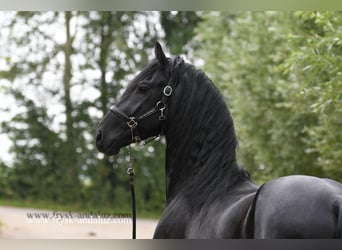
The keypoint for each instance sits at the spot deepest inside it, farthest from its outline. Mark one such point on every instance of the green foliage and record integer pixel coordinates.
(317, 65)
(5, 189)
(281, 74)
(179, 28)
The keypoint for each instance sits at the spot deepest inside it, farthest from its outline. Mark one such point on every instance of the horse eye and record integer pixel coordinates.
(143, 86)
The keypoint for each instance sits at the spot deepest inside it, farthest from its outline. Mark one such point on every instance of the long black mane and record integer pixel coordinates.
(201, 140)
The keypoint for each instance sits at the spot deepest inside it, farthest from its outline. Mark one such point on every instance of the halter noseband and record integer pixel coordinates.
(161, 106)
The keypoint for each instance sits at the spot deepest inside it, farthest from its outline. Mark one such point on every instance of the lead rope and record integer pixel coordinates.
(130, 172)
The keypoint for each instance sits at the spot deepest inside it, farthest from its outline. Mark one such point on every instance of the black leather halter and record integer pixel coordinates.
(161, 106)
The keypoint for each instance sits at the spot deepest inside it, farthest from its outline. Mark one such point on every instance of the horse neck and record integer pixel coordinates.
(201, 141)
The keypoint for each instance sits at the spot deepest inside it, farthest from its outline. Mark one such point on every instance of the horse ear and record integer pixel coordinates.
(158, 51)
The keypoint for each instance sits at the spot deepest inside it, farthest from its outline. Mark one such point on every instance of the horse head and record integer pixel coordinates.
(141, 110)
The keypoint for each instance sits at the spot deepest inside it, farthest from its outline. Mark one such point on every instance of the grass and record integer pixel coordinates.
(48, 205)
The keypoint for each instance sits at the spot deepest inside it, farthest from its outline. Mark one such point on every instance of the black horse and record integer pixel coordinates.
(208, 195)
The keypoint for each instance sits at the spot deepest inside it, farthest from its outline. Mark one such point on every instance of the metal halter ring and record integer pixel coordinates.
(167, 90)
(132, 123)
(160, 105)
(130, 171)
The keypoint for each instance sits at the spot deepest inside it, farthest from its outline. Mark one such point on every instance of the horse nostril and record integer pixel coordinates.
(99, 136)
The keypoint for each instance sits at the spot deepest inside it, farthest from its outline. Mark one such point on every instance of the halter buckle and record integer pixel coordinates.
(167, 90)
(162, 116)
(161, 106)
(132, 123)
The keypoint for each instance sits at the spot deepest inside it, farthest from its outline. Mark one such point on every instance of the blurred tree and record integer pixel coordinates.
(179, 28)
(71, 180)
(35, 172)
(45, 165)
(5, 190)
(120, 45)
(316, 64)
(260, 60)
(65, 69)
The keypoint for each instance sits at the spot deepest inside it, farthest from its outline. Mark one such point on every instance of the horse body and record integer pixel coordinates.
(208, 195)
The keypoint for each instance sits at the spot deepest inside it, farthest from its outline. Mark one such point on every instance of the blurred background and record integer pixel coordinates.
(280, 72)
